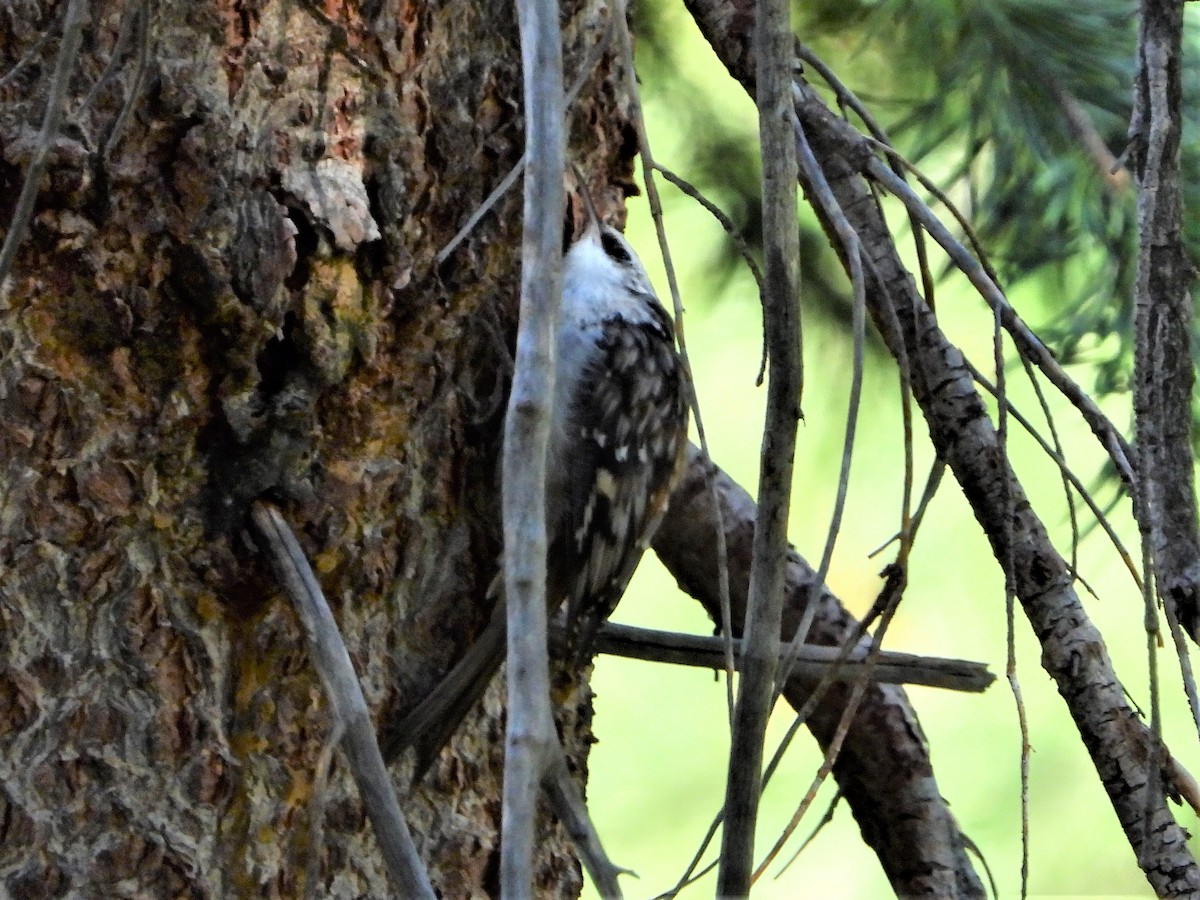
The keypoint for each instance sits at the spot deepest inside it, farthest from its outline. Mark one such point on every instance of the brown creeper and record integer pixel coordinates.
(617, 442)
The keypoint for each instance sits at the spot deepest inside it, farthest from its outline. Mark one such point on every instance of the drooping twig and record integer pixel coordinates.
(530, 736)
(810, 174)
(739, 242)
(346, 700)
(649, 167)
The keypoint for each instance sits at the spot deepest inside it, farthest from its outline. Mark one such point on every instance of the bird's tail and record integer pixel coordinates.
(430, 726)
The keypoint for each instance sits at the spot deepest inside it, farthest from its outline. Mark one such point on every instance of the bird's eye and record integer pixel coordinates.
(614, 247)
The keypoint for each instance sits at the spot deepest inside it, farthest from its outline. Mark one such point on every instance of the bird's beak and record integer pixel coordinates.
(593, 228)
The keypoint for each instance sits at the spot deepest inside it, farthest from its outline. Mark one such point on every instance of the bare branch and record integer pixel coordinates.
(884, 768)
(810, 662)
(531, 739)
(345, 696)
(1163, 367)
(781, 316)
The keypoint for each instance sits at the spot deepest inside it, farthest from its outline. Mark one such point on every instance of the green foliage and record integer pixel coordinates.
(1020, 108)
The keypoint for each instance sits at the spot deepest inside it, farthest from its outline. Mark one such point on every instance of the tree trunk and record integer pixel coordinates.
(229, 290)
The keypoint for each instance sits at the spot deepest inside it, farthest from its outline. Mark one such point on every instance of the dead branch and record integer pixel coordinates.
(345, 697)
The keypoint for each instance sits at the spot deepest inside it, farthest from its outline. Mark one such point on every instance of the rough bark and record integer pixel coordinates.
(1164, 373)
(233, 294)
(1073, 652)
(884, 769)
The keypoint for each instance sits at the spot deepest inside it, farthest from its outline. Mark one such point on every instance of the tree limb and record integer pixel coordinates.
(884, 769)
(1163, 366)
(345, 696)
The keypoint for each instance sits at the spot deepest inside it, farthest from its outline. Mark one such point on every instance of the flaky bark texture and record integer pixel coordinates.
(229, 291)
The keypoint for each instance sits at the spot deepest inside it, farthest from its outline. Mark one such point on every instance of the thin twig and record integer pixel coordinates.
(316, 807)
(739, 242)
(814, 178)
(781, 315)
(1150, 623)
(530, 735)
(826, 819)
(129, 24)
(568, 805)
(1101, 518)
(135, 89)
(812, 661)
(1007, 564)
(68, 54)
(482, 210)
(514, 173)
(656, 214)
(345, 696)
(1185, 666)
(1026, 341)
(1072, 513)
(899, 160)
(932, 482)
(894, 591)
(31, 54)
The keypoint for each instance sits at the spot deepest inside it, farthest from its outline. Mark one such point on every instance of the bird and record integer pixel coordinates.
(617, 447)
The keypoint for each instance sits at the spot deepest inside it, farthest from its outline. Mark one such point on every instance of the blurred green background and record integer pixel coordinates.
(960, 84)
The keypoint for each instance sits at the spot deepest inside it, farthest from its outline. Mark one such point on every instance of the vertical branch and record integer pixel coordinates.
(756, 690)
(1163, 373)
(530, 733)
(1163, 366)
